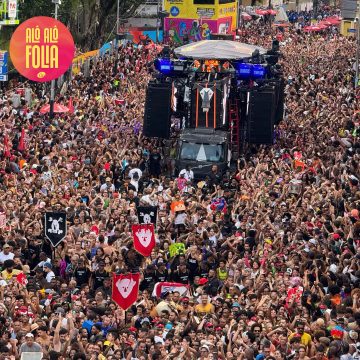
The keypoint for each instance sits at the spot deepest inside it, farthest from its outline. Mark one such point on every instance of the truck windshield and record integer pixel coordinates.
(202, 152)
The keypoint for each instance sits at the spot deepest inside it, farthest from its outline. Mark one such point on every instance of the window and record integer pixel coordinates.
(204, 2)
(202, 152)
(226, 1)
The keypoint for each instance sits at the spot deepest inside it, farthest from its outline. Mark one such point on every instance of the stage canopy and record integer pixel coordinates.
(218, 49)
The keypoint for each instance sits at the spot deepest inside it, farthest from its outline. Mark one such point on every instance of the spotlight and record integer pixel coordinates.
(243, 70)
(258, 71)
(163, 65)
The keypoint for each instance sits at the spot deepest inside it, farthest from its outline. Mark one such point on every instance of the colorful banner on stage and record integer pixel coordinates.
(210, 14)
(196, 30)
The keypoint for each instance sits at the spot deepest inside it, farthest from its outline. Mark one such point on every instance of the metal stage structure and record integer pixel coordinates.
(225, 94)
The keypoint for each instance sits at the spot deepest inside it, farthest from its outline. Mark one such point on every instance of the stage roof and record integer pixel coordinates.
(217, 50)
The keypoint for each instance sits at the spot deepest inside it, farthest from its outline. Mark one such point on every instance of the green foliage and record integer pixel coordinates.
(31, 8)
(95, 19)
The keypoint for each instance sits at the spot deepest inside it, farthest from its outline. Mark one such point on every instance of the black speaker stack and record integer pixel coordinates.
(157, 117)
(261, 115)
(280, 100)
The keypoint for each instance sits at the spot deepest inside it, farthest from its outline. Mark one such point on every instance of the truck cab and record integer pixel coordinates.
(201, 148)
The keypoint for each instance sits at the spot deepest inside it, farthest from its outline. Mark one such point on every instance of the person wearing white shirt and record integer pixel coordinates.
(188, 173)
(49, 273)
(6, 253)
(108, 185)
(133, 171)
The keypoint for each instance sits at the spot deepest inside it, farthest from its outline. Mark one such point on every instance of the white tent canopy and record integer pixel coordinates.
(218, 49)
(281, 15)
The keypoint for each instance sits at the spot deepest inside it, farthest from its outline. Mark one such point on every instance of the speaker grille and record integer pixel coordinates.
(157, 115)
(280, 90)
(261, 116)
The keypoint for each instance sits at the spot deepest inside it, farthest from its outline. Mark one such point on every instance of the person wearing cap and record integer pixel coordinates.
(29, 345)
(108, 185)
(204, 352)
(6, 253)
(164, 304)
(48, 271)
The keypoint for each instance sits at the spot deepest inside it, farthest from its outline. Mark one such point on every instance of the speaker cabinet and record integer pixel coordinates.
(279, 112)
(261, 112)
(157, 117)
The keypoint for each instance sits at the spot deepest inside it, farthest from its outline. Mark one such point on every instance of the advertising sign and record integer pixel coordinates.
(3, 65)
(42, 49)
(9, 12)
(210, 13)
(12, 9)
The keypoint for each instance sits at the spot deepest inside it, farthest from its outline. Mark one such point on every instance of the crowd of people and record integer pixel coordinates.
(273, 273)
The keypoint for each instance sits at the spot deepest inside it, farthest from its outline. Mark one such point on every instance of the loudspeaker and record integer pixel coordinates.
(261, 112)
(157, 117)
(221, 37)
(280, 90)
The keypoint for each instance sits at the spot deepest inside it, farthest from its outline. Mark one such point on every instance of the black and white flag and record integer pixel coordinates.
(55, 227)
(147, 214)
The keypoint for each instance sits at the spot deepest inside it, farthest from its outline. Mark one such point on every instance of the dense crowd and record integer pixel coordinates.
(273, 272)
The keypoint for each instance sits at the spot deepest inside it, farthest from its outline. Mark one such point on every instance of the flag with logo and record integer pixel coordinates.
(163, 286)
(147, 214)
(55, 227)
(125, 289)
(21, 279)
(144, 238)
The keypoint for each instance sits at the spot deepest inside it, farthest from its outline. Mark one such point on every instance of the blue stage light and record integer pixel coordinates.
(163, 65)
(243, 70)
(258, 72)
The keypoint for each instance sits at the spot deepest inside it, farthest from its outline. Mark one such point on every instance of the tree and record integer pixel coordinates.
(94, 21)
(91, 22)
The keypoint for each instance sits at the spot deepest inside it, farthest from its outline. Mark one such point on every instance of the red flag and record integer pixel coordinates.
(6, 147)
(125, 289)
(21, 146)
(144, 238)
(21, 279)
(71, 106)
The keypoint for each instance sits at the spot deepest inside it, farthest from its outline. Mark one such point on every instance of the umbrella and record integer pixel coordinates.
(58, 108)
(261, 12)
(271, 12)
(313, 28)
(281, 24)
(246, 16)
(334, 20)
(325, 23)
